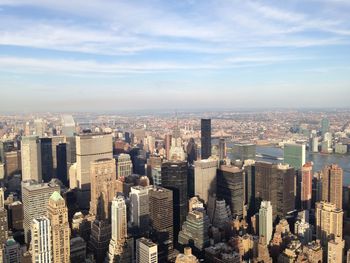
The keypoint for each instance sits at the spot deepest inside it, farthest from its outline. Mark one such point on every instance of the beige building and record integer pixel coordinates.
(58, 215)
(332, 185)
(186, 257)
(124, 166)
(329, 222)
(103, 190)
(35, 198)
(31, 158)
(205, 178)
(335, 250)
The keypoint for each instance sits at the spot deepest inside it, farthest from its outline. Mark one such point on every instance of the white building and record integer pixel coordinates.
(265, 221)
(146, 251)
(139, 207)
(41, 240)
(31, 158)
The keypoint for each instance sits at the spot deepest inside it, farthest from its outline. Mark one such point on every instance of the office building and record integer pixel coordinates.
(295, 155)
(244, 151)
(31, 159)
(68, 125)
(62, 169)
(186, 257)
(3, 227)
(314, 144)
(55, 141)
(99, 239)
(265, 221)
(35, 198)
(157, 176)
(90, 148)
(77, 249)
(124, 166)
(249, 184)
(120, 249)
(221, 214)
(335, 250)
(332, 184)
(205, 138)
(306, 185)
(2, 197)
(205, 178)
(285, 194)
(195, 229)
(41, 240)
(324, 126)
(222, 149)
(146, 251)
(39, 127)
(329, 222)
(15, 215)
(57, 212)
(230, 187)
(162, 222)
(174, 177)
(46, 159)
(12, 251)
(139, 208)
(191, 150)
(303, 230)
(103, 173)
(13, 163)
(176, 152)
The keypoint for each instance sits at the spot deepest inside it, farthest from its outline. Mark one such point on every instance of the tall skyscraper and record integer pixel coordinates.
(324, 126)
(222, 149)
(329, 222)
(103, 173)
(100, 239)
(3, 227)
(2, 197)
(58, 215)
(139, 208)
(265, 221)
(124, 166)
(205, 138)
(35, 198)
(12, 251)
(162, 222)
(39, 127)
(90, 148)
(68, 125)
(146, 251)
(31, 158)
(174, 177)
(176, 152)
(119, 249)
(306, 186)
(332, 184)
(46, 159)
(336, 250)
(55, 141)
(230, 186)
(168, 138)
(62, 169)
(294, 155)
(244, 151)
(41, 240)
(205, 178)
(191, 150)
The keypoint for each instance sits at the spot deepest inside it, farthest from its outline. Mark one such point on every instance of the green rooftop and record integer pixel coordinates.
(56, 196)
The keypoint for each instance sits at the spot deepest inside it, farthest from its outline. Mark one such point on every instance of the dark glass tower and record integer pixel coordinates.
(205, 138)
(61, 150)
(174, 177)
(46, 159)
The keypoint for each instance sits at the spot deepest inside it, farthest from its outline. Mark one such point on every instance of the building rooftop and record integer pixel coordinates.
(56, 196)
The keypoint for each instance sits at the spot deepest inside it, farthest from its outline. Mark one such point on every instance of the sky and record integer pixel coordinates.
(173, 54)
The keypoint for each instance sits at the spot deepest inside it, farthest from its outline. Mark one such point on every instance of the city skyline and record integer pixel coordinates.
(108, 55)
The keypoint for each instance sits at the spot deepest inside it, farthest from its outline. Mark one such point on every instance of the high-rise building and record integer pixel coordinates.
(55, 141)
(324, 126)
(77, 249)
(100, 239)
(295, 155)
(15, 215)
(2, 197)
(191, 150)
(62, 169)
(332, 184)
(168, 138)
(57, 212)
(119, 247)
(68, 125)
(90, 148)
(35, 198)
(306, 185)
(329, 222)
(335, 250)
(12, 251)
(230, 187)
(139, 200)
(39, 127)
(146, 251)
(265, 221)
(221, 214)
(314, 144)
(195, 229)
(41, 240)
(46, 159)
(161, 216)
(205, 138)
(103, 173)
(13, 163)
(3, 227)
(244, 151)
(205, 178)
(222, 149)
(174, 177)
(31, 158)
(176, 152)
(249, 184)
(187, 257)
(124, 166)
(285, 194)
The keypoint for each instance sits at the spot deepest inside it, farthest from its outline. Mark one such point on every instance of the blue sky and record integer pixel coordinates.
(112, 55)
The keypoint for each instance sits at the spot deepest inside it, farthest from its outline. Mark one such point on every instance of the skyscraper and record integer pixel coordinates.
(324, 126)
(39, 127)
(100, 239)
(31, 158)
(265, 221)
(329, 222)
(205, 178)
(46, 159)
(90, 148)
(124, 166)
(146, 251)
(244, 151)
(336, 250)
(61, 172)
(139, 208)
(294, 155)
(35, 198)
(191, 150)
(174, 177)
(41, 240)
(57, 213)
(205, 138)
(55, 140)
(332, 184)
(161, 216)
(306, 185)
(230, 186)
(222, 148)
(103, 173)
(68, 125)
(3, 227)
